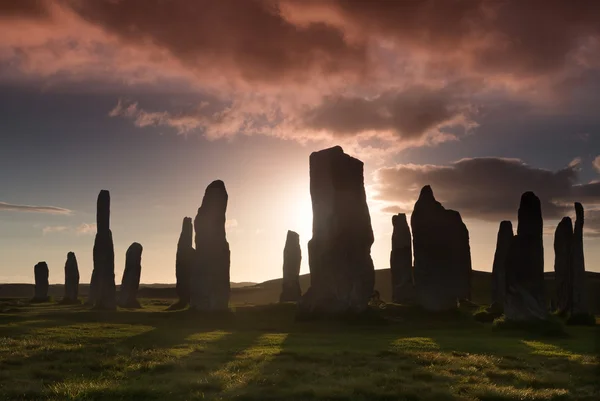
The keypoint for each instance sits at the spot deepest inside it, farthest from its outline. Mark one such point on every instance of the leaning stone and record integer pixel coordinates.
(130, 282)
(403, 290)
(292, 258)
(563, 259)
(505, 236)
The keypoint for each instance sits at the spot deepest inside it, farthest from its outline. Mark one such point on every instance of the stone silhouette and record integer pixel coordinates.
(442, 254)
(505, 236)
(184, 261)
(401, 261)
(339, 253)
(71, 280)
(131, 277)
(102, 287)
(41, 274)
(525, 299)
(579, 304)
(210, 274)
(563, 259)
(292, 257)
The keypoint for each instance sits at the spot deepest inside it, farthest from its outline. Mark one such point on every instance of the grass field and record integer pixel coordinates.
(51, 352)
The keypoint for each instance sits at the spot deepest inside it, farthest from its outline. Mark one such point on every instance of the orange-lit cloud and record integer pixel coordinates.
(398, 71)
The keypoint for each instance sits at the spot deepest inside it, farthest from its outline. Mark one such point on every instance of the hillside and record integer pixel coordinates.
(268, 291)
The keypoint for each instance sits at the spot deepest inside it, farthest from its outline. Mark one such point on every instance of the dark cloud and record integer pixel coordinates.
(248, 37)
(28, 208)
(487, 188)
(409, 114)
(24, 9)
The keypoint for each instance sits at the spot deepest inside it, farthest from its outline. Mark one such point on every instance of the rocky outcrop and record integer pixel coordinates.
(563, 258)
(103, 290)
(41, 274)
(71, 280)
(339, 253)
(442, 254)
(579, 304)
(184, 261)
(401, 261)
(503, 241)
(210, 274)
(131, 277)
(524, 299)
(292, 258)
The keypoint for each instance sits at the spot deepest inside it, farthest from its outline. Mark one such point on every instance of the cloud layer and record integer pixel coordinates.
(29, 208)
(489, 188)
(405, 73)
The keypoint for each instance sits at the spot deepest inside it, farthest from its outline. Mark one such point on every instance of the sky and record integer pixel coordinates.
(154, 99)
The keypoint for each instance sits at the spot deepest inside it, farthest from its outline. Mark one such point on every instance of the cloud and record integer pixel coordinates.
(596, 163)
(86, 229)
(38, 209)
(231, 223)
(486, 188)
(388, 72)
(54, 229)
(82, 229)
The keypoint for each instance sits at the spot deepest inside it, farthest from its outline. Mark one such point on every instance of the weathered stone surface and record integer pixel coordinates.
(102, 287)
(292, 258)
(442, 254)
(579, 299)
(401, 261)
(131, 277)
(505, 236)
(184, 261)
(525, 298)
(339, 253)
(41, 274)
(71, 279)
(563, 257)
(210, 274)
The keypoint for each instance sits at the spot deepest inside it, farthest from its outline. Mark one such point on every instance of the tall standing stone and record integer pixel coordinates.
(71, 280)
(41, 274)
(184, 261)
(103, 290)
(525, 298)
(401, 261)
(505, 236)
(579, 304)
(339, 253)
(210, 275)
(563, 259)
(292, 258)
(442, 254)
(130, 283)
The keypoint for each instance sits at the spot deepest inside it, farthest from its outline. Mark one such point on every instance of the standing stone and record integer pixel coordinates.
(71, 280)
(579, 304)
(292, 257)
(103, 290)
(184, 261)
(210, 274)
(41, 282)
(563, 258)
(339, 254)
(401, 261)
(442, 254)
(505, 236)
(131, 277)
(525, 298)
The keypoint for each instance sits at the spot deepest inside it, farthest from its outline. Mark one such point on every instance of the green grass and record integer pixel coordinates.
(67, 352)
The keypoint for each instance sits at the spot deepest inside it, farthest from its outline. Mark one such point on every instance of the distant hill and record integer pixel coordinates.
(268, 292)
